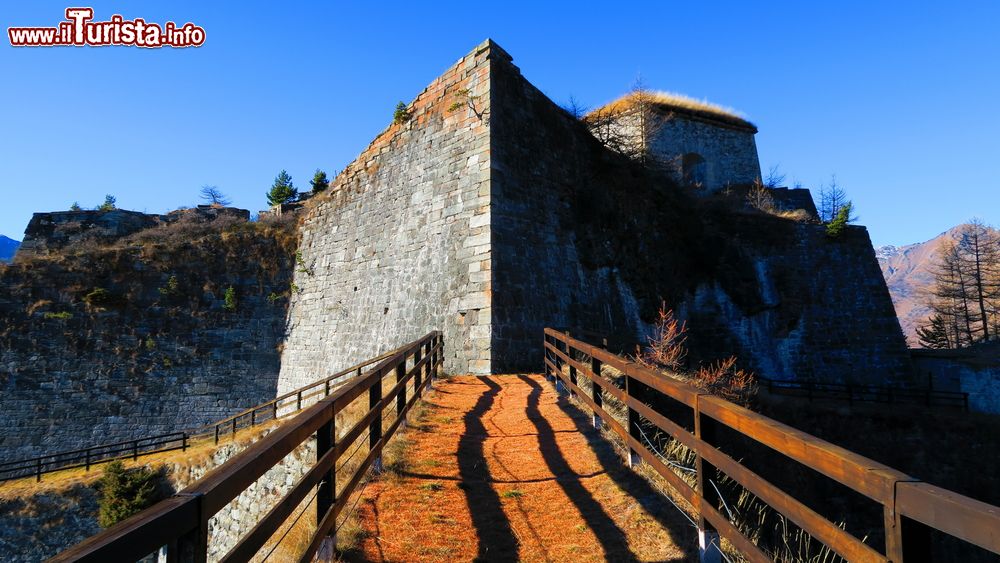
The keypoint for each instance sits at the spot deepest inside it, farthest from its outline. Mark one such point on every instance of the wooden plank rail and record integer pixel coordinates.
(911, 509)
(181, 522)
(132, 449)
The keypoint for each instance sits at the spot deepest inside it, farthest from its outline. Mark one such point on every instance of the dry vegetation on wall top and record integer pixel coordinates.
(669, 101)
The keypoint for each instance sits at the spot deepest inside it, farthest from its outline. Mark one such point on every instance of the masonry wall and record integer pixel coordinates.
(583, 238)
(973, 371)
(400, 243)
(730, 153)
(809, 307)
(75, 374)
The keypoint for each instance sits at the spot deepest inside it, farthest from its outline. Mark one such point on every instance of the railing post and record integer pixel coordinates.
(401, 396)
(906, 540)
(326, 391)
(88, 459)
(596, 393)
(184, 442)
(326, 437)
(298, 401)
(234, 430)
(216, 434)
(709, 550)
(253, 417)
(572, 370)
(417, 373)
(375, 430)
(193, 546)
(135, 450)
(38, 470)
(634, 430)
(275, 406)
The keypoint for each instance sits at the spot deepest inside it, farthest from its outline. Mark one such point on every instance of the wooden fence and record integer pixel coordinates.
(181, 522)
(911, 509)
(279, 407)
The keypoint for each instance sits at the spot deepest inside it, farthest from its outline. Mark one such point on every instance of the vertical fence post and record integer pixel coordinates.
(88, 461)
(634, 430)
(905, 539)
(298, 401)
(709, 550)
(193, 546)
(184, 441)
(596, 393)
(418, 372)
(326, 390)
(233, 437)
(135, 450)
(572, 368)
(375, 430)
(401, 396)
(326, 437)
(38, 470)
(275, 407)
(216, 434)
(253, 417)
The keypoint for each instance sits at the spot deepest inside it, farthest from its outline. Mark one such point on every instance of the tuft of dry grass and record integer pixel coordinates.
(669, 101)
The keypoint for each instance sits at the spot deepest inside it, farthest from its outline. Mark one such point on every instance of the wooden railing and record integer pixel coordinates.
(911, 509)
(866, 393)
(87, 457)
(279, 407)
(181, 522)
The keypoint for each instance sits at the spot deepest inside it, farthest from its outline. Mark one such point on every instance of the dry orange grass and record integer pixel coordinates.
(671, 101)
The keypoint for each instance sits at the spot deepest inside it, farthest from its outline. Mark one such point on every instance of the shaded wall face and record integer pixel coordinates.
(399, 245)
(730, 155)
(544, 165)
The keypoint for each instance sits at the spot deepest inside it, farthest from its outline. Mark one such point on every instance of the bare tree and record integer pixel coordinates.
(774, 177)
(965, 298)
(630, 125)
(831, 199)
(575, 108)
(214, 196)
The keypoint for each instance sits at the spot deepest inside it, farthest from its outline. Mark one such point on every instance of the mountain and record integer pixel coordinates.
(909, 273)
(8, 247)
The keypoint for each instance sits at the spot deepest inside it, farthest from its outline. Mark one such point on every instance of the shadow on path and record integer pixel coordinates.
(612, 539)
(496, 538)
(638, 488)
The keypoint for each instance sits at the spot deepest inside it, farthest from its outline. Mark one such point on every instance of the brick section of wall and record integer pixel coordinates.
(400, 243)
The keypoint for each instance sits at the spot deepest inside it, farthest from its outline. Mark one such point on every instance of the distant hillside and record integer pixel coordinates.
(8, 247)
(909, 273)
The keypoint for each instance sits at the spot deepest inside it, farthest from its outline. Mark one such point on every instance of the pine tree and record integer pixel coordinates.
(319, 182)
(282, 191)
(934, 334)
(109, 203)
(125, 492)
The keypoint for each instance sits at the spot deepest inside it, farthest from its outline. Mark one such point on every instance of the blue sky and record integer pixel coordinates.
(897, 99)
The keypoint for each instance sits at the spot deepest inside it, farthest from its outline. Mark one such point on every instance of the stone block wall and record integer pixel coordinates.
(809, 307)
(730, 152)
(75, 374)
(400, 243)
(975, 371)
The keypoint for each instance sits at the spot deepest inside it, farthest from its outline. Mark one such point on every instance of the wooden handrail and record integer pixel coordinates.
(903, 498)
(181, 522)
(70, 459)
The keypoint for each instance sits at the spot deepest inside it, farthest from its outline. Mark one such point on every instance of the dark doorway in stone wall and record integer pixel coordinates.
(694, 169)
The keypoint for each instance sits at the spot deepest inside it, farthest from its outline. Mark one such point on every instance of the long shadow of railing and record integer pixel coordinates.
(608, 534)
(650, 499)
(497, 541)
